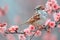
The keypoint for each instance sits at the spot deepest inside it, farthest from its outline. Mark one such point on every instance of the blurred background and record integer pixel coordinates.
(23, 9)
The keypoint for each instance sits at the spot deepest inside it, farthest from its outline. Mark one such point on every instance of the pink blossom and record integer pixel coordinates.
(55, 6)
(22, 37)
(31, 27)
(13, 28)
(52, 4)
(49, 11)
(51, 24)
(38, 33)
(49, 4)
(3, 27)
(3, 24)
(49, 7)
(28, 32)
(57, 16)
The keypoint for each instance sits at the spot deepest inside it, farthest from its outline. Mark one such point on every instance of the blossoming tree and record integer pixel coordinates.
(43, 13)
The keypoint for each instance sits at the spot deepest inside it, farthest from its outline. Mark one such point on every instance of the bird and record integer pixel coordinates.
(39, 16)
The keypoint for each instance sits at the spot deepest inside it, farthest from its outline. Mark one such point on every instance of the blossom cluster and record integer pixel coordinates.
(52, 5)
